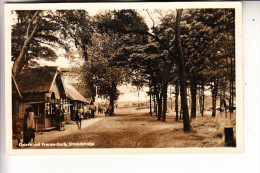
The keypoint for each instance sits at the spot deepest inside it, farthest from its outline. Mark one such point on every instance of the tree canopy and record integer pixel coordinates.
(189, 48)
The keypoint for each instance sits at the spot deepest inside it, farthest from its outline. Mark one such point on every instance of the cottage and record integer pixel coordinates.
(41, 88)
(72, 102)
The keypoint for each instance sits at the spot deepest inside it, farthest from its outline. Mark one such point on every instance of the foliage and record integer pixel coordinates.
(43, 41)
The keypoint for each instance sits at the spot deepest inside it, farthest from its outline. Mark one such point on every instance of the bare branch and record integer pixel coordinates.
(150, 18)
(29, 25)
(159, 13)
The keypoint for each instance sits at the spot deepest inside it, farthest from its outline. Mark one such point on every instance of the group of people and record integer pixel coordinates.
(104, 109)
(108, 110)
(29, 126)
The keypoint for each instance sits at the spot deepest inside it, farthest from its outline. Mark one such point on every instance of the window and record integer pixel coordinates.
(64, 101)
(38, 109)
(47, 110)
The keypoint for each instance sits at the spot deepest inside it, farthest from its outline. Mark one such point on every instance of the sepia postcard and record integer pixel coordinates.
(123, 78)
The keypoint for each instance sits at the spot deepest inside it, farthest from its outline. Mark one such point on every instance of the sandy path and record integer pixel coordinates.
(137, 129)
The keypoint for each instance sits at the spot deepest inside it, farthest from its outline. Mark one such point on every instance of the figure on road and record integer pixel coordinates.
(93, 110)
(58, 118)
(25, 137)
(100, 110)
(79, 117)
(62, 123)
(29, 125)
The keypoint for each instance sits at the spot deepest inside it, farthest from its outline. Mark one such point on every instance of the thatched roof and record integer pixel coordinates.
(36, 80)
(89, 100)
(73, 94)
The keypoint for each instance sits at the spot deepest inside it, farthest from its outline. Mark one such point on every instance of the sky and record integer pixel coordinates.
(130, 93)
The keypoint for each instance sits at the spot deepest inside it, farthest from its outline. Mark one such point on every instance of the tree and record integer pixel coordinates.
(79, 28)
(33, 21)
(147, 63)
(37, 33)
(117, 47)
(180, 60)
(195, 38)
(221, 48)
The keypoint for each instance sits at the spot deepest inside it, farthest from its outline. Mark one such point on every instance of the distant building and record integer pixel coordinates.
(73, 101)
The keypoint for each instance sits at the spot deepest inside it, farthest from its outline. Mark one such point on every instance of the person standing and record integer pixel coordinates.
(58, 118)
(106, 111)
(93, 110)
(25, 134)
(62, 123)
(18, 132)
(110, 113)
(30, 124)
(79, 117)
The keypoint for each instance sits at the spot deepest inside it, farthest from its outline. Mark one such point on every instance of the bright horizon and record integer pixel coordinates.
(130, 93)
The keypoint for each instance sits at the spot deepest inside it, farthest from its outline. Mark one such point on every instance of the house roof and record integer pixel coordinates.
(73, 94)
(39, 79)
(89, 100)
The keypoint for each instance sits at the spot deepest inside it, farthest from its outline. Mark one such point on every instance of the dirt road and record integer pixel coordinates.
(140, 130)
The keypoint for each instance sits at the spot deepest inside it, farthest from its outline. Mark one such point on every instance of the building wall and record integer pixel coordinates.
(15, 111)
(55, 90)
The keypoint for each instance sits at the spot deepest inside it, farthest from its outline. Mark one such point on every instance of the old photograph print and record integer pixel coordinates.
(123, 78)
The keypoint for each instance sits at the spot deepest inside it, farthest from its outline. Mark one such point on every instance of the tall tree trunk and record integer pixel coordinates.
(202, 98)
(231, 107)
(193, 97)
(92, 88)
(180, 60)
(214, 97)
(164, 92)
(154, 104)
(203, 104)
(220, 101)
(159, 103)
(151, 104)
(21, 60)
(176, 100)
(112, 98)
(85, 52)
(181, 112)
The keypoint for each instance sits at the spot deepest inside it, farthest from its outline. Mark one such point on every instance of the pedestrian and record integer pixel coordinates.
(110, 113)
(106, 111)
(93, 109)
(99, 108)
(79, 117)
(18, 132)
(25, 134)
(80, 110)
(30, 123)
(62, 123)
(58, 118)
